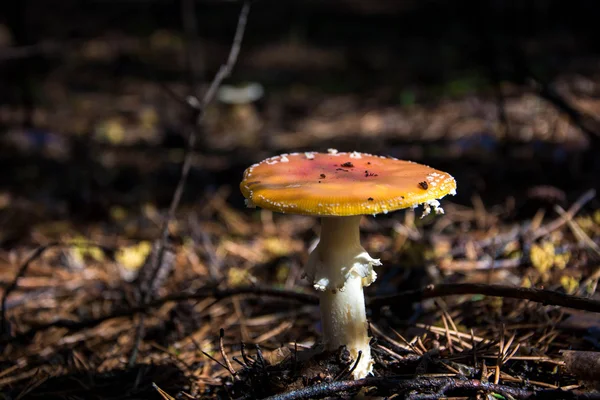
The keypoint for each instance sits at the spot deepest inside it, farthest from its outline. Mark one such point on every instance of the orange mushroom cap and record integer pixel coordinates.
(342, 184)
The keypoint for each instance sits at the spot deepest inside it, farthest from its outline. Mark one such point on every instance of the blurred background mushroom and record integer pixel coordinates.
(235, 120)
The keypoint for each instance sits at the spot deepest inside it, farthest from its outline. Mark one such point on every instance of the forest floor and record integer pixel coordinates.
(228, 315)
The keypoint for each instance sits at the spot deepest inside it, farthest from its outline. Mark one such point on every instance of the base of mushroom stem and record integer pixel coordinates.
(346, 323)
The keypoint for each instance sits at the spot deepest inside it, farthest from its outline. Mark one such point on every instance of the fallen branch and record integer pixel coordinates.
(543, 296)
(585, 365)
(429, 388)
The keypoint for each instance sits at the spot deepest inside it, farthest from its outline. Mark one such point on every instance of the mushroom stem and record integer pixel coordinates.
(340, 267)
(344, 322)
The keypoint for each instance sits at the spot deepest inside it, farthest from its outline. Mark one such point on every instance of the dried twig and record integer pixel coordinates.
(347, 372)
(543, 296)
(431, 388)
(560, 221)
(224, 354)
(226, 68)
(13, 285)
(579, 233)
(500, 355)
(198, 109)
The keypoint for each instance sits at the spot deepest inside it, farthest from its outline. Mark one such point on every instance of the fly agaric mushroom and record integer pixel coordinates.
(340, 188)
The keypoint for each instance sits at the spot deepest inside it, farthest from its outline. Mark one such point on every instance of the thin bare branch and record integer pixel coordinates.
(223, 72)
(547, 297)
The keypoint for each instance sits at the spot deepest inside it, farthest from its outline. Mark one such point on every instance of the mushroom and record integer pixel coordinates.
(235, 120)
(340, 187)
(243, 94)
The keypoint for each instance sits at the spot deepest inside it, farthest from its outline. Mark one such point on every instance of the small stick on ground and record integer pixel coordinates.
(440, 386)
(500, 356)
(345, 374)
(224, 354)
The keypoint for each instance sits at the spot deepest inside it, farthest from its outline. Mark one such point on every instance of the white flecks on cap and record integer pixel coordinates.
(355, 154)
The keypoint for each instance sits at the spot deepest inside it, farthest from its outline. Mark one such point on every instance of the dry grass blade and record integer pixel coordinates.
(448, 336)
(410, 345)
(579, 233)
(574, 209)
(162, 393)
(500, 355)
(282, 327)
(224, 354)
(406, 346)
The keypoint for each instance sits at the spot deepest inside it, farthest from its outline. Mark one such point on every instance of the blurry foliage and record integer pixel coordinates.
(133, 257)
(569, 283)
(590, 224)
(407, 98)
(469, 84)
(414, 254)
(239, 277)
(544, 257)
